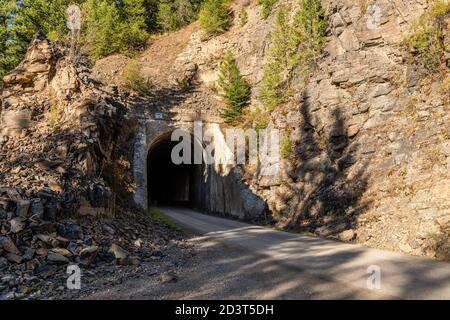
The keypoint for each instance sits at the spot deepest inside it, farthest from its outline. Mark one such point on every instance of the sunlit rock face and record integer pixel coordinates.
(370, 135)
(57, 129)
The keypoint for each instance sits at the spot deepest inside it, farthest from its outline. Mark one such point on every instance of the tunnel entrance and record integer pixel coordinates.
(168, 183)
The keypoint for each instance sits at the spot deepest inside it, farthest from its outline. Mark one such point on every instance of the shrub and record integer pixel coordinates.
(53, 114)
(243, 17)
(233, 89)
(286, 148)
(426, 41)
(257, 119)
(214, 16)
(267, 6)
(134, 80)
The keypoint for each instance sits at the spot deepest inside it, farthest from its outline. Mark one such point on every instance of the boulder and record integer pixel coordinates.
(17, 225)
(88, 255)
(8, 245)
(118, 252)
(347, 235)
(57, 258)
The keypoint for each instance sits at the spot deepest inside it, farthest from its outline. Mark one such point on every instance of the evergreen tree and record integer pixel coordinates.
(175, 14)
(151, 9)
(102, 27)
(113, 27)
(9, 56)
(45, 16)
(133, 28)
(233, 89)
(214, 16)
(310, 25)
(294, 51)
(282, 57)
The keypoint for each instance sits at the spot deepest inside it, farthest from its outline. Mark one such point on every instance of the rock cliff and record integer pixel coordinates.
(369, 126)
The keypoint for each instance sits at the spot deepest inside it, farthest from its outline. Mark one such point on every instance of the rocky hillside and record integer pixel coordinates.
(368, 128)
(63, 181)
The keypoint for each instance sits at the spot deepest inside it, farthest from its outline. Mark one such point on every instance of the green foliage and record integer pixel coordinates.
(243, 17)
(8, 49)
(257, 119)
(294, 51)
(21, 20)
(134, 80)
(267, 6)
(233, 88)
(53, 114)
(310, 26)
(282, 56)
(113, 27)
(133, 29)
(214, 16)
(286, 148)
(45, 16)
(426, 41)
(174, 14)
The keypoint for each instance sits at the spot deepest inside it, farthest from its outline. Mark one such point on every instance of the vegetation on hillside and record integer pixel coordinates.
(109, 26)
(113, 27)
(294, 51)
(8, 50)
(243, 17)
(233, 89)
(286, 148)
(267, 6)
(214, 16)
(134, 80)
(426, 41)
(174, 14)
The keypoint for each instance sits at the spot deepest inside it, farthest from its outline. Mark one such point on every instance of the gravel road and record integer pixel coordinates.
(216, 271)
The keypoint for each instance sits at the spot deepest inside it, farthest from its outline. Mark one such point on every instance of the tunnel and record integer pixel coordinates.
(206, 188)
(168, 183)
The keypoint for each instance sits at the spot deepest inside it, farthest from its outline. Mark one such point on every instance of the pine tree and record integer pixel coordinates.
(233, 89)
(102, 27)
(21, 20)
(113, 28)
(310, 25)
(282, 57)
(174, 14)
(214, 16)
(45, 16)
(133, 28)
(294, 51)
(8, 55)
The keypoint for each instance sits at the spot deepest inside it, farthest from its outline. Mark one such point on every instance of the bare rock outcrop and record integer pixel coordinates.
(369, 128)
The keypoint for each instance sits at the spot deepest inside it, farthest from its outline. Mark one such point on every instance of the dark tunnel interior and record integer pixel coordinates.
(168, 183)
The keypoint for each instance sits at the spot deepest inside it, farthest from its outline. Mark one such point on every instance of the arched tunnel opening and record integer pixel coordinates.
(208, 188)
(169, 183)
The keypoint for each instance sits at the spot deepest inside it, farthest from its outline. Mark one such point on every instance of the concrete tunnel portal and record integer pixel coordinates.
(169, 183)
(207, 188)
